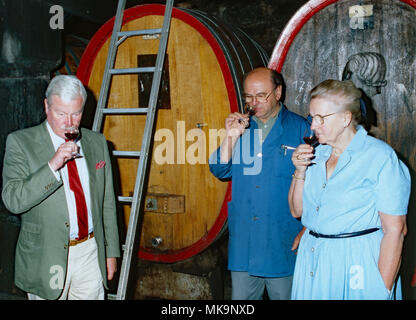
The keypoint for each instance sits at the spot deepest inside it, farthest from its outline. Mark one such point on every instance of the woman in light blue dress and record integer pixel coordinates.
(352, 193)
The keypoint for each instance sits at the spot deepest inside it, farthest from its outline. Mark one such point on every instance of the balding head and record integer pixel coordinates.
(263, 72)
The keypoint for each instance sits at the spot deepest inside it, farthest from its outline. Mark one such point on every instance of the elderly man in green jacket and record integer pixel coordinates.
(68, 242)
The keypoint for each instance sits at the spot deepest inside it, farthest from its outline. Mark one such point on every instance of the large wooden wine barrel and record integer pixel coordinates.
(185, 206)
(372, 43)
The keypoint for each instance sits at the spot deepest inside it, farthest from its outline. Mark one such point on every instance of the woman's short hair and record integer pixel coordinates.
(67, 87)
(343, 93)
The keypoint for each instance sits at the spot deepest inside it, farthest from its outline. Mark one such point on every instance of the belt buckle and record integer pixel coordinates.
(78, 241)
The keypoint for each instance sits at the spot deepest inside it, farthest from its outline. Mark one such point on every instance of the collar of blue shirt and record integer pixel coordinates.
(357, 143)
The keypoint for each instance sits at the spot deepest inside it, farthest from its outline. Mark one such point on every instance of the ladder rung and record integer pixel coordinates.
(125, 199)
(138, 32)
(127, 153)
(132, 70)
(125, 110)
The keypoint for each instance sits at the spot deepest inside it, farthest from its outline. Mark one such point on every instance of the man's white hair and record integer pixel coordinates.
(67, 88)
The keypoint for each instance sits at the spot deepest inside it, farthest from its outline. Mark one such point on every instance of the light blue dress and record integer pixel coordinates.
(368, 178)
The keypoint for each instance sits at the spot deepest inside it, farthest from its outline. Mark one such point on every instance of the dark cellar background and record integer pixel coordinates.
(262, 20)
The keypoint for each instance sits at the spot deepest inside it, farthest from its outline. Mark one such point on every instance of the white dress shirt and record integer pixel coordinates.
(69, 194)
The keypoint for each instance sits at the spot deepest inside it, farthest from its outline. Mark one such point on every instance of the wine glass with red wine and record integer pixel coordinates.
(72, 134)
(248, 110)
(310, 138)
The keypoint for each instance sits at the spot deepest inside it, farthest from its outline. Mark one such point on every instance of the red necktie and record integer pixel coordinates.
(76, 187)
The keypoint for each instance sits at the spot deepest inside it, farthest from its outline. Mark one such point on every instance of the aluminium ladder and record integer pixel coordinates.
(117, 38)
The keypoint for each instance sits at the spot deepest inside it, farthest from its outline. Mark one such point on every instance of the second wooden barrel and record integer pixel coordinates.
(372, 43)
(185, 206)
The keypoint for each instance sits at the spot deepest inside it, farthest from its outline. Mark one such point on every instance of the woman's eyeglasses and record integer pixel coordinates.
(319, 119)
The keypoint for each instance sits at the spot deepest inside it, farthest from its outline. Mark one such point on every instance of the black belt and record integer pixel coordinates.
(342, 235)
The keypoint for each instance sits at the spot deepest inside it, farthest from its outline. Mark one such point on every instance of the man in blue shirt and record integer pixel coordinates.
(253, 155)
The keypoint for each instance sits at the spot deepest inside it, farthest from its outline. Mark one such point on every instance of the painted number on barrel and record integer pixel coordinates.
(301, 87)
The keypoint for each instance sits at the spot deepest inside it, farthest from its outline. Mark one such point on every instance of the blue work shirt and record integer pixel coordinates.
(368, 179)
(261, 228)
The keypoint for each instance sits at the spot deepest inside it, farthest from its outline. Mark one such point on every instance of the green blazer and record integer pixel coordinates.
(31, 190)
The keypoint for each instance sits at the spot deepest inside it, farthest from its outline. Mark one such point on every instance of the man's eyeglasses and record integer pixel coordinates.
(260, 97)
(318, 119)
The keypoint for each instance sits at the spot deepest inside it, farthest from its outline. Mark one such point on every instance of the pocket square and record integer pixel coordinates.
(100, 165)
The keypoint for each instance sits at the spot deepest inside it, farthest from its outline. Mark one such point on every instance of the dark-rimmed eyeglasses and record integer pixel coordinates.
(260, 97)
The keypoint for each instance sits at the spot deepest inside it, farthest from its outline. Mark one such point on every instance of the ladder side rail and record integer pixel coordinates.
(109, 64)
(142, 167)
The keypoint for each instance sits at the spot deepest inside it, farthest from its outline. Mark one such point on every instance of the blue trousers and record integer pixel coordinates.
(247, 287)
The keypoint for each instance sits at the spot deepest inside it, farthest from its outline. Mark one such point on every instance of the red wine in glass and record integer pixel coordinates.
(71, 135)
(249, 110)
(311, 140)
